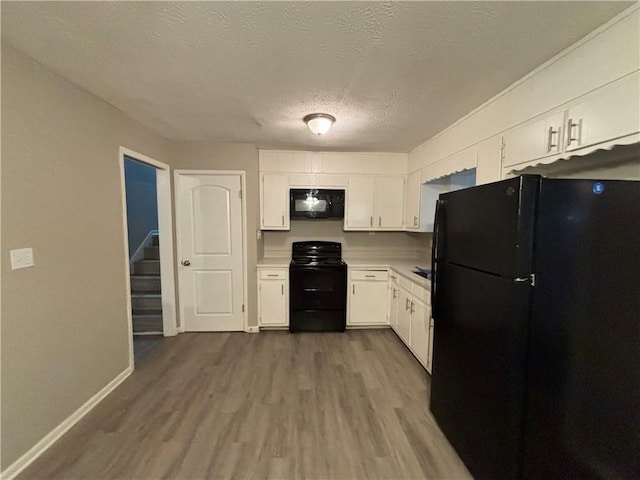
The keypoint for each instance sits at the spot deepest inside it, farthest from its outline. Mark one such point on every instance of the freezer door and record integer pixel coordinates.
(583, 416)
(489, 227)
(478, 370)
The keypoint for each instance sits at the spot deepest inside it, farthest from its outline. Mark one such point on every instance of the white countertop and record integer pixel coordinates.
(404, 266)
(277, 262)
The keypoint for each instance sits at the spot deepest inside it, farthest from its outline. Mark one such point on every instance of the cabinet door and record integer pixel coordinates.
(412, 202)
(367, 303)
(359, 204)
(275, 202)
(404, 316)
(606, 114)
(420, 330)
(389, 203)
(537, 139)
(273, 303)
(489, 167)
(393, 304)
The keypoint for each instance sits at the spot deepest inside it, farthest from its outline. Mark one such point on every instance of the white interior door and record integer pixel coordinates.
(211, 252)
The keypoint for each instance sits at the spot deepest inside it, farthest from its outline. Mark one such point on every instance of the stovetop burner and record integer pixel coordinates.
(313, 261)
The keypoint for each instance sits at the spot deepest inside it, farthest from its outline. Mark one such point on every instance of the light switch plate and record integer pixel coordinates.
(21, 258)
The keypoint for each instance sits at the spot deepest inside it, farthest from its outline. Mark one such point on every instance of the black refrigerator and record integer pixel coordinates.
(536, 306)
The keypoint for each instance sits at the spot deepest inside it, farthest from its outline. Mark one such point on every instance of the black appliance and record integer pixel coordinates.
(313, 203)
(536, 301)
(317, 287)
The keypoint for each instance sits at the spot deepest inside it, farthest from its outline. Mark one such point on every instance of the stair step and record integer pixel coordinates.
(146, 267)
(145, 283)
(155, 240)
(146, 302)
(152, 253)
(146, 323)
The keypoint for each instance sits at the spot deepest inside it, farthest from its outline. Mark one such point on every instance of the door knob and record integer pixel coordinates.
(186, 263)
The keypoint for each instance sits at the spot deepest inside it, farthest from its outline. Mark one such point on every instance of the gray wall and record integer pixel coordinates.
(230, 156)
(142, 202)
(64, 322)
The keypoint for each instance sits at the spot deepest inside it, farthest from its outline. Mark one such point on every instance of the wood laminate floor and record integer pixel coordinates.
(348, 405)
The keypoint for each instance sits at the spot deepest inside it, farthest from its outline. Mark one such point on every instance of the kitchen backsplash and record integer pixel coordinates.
(354, 244)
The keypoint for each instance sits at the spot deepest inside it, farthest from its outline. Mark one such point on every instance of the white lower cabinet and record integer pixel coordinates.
(273, 297)
(410, 317)
(368, 297)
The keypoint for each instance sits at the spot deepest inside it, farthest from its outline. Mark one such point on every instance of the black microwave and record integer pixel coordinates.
(313, 203)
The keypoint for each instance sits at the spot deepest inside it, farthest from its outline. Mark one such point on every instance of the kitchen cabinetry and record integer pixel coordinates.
(412, 201)
(489, 160)
(368, 297)
(609, 113)
(394, 290)
(274, 195)
(413, 322)
(605, 114)
(374, 203)
(273, 297)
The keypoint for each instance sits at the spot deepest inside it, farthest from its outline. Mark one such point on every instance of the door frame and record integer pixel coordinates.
(165, 231)
(177, 174)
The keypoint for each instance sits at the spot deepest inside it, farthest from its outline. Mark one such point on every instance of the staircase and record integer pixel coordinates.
(146, 300)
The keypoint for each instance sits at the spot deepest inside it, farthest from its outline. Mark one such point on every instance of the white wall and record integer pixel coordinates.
(360, 244)
(64, 321)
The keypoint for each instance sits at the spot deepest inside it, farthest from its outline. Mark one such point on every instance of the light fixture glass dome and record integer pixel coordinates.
(319, 123)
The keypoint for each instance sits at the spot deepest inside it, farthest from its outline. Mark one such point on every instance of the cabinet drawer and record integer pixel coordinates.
(302, 180)
(372, 275)
(422, 293)
(405, 283)
(266, 274)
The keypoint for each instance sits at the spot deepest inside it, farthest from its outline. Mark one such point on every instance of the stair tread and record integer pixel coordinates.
(148, 260)
(146, 313)
(145, 275)
(146, 294)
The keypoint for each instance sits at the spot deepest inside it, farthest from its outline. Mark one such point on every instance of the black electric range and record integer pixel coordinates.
(317, 287)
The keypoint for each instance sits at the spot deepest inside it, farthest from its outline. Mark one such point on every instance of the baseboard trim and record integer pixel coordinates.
(253, 329)
(39, 448)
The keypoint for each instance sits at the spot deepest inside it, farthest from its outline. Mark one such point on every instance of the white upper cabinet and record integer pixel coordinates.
(536, 139)
(360, 206)
(389, 200)
(489, 160)
(374, 203)
(608, 113)
(412, 202)
(274, 196)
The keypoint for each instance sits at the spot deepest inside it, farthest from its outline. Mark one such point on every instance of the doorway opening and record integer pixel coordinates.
(149, 252)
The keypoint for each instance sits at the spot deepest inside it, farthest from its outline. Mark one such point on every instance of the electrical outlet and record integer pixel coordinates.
(21, 258)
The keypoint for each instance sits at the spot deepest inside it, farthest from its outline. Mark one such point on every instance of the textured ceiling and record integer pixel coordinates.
(392, 73)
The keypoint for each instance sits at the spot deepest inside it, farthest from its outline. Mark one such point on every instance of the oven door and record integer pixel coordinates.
(318, 288)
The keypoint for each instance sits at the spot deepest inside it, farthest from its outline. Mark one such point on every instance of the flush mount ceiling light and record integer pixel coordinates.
(319, 123)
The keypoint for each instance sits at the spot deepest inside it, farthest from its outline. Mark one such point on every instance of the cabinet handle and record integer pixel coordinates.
(353, 288)
(406, 304)
(412, 305)
(370, 276)
(379, 221)
(415, 221)
(282, 287)
(272, 274)
(393, 277)
(550, 144)
(570, 137)
(394, 293)
(371, 221)
(283, 220)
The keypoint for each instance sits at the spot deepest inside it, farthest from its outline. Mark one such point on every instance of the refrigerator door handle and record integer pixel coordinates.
(434, 256)
(531, 278)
